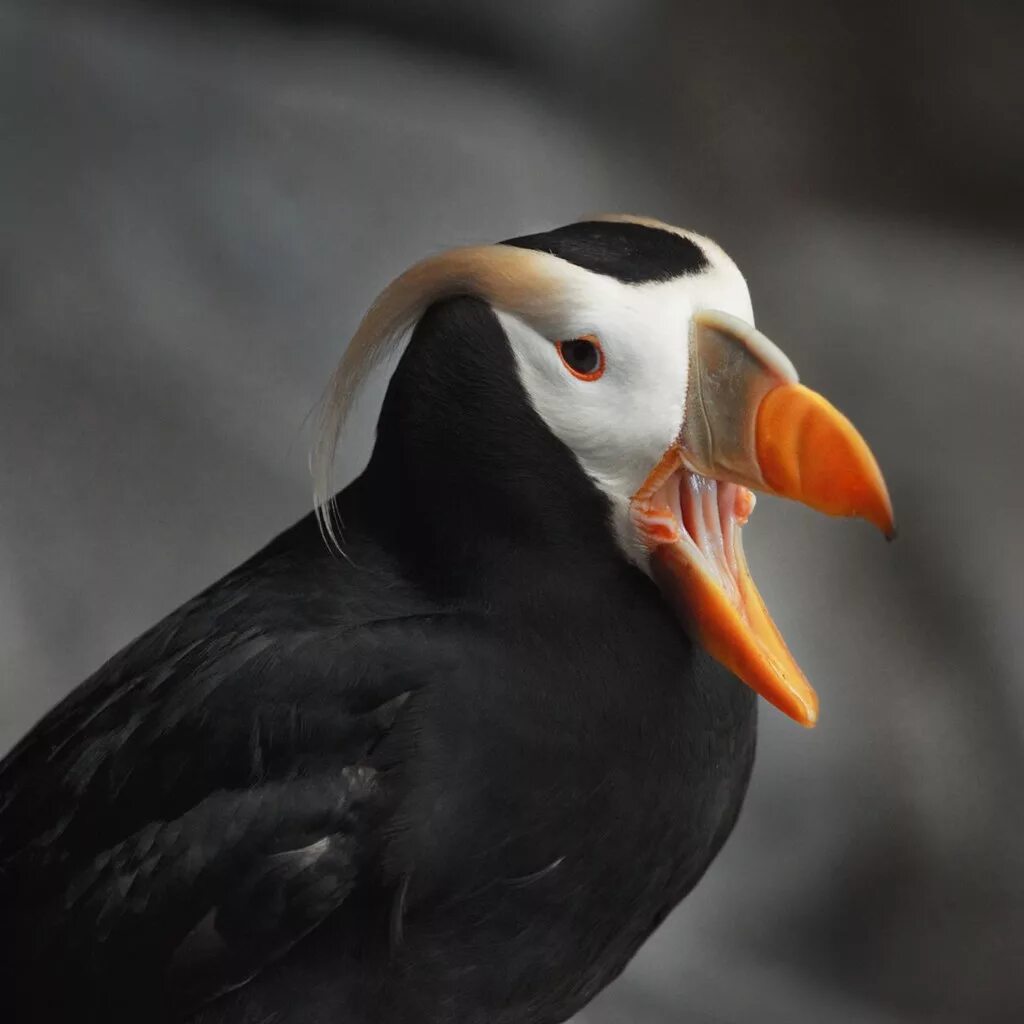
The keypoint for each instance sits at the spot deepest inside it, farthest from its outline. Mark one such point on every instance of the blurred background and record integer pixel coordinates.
(197, 202)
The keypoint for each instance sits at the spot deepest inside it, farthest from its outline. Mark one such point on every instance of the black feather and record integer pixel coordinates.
(459, 775)
(629, 252)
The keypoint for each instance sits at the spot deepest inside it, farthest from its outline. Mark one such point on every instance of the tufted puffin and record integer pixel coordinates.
(450, 748)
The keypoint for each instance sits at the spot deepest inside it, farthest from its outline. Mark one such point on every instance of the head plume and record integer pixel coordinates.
(530, 284)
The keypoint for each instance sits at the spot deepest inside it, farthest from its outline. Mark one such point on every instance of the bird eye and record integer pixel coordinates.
(583, 356)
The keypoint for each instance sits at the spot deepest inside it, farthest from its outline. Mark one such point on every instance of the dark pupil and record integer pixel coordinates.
(581, 355)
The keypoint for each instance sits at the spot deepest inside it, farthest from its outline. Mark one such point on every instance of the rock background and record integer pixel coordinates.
(197, 202)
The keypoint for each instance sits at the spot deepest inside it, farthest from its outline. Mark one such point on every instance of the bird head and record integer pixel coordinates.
(635, 344)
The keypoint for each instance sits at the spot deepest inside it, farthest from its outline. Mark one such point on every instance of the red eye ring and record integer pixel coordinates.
(578, 355)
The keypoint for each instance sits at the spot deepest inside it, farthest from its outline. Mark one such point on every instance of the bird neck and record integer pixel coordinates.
(466, 480)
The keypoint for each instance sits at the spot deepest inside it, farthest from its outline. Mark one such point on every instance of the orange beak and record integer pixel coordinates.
(748, 425)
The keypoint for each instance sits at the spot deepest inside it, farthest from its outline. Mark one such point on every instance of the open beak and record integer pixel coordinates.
(748, 425)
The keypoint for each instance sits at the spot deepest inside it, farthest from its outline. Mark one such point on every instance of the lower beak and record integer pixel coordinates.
(748, 425)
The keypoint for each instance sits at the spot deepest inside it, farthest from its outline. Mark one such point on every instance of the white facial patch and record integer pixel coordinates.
(620, 425)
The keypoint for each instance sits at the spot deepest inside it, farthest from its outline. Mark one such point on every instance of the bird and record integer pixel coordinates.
(451, 747)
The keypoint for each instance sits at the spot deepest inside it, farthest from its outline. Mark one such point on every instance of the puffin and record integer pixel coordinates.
(451, 747)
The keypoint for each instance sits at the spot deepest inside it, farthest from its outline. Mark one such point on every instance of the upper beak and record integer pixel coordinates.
(748, 424)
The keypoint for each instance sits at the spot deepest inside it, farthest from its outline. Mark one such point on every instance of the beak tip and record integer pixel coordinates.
(882, 517)
(800, 703)
(809, 717)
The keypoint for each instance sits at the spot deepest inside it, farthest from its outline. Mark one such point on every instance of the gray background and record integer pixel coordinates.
(198, 201)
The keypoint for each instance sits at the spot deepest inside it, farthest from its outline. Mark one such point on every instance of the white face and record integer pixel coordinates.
(621, 424)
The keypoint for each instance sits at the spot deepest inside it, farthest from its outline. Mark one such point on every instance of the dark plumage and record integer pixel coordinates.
(459, 774)
(629, 252)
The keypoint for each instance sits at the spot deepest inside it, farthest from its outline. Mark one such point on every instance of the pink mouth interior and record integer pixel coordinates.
(711, 513)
